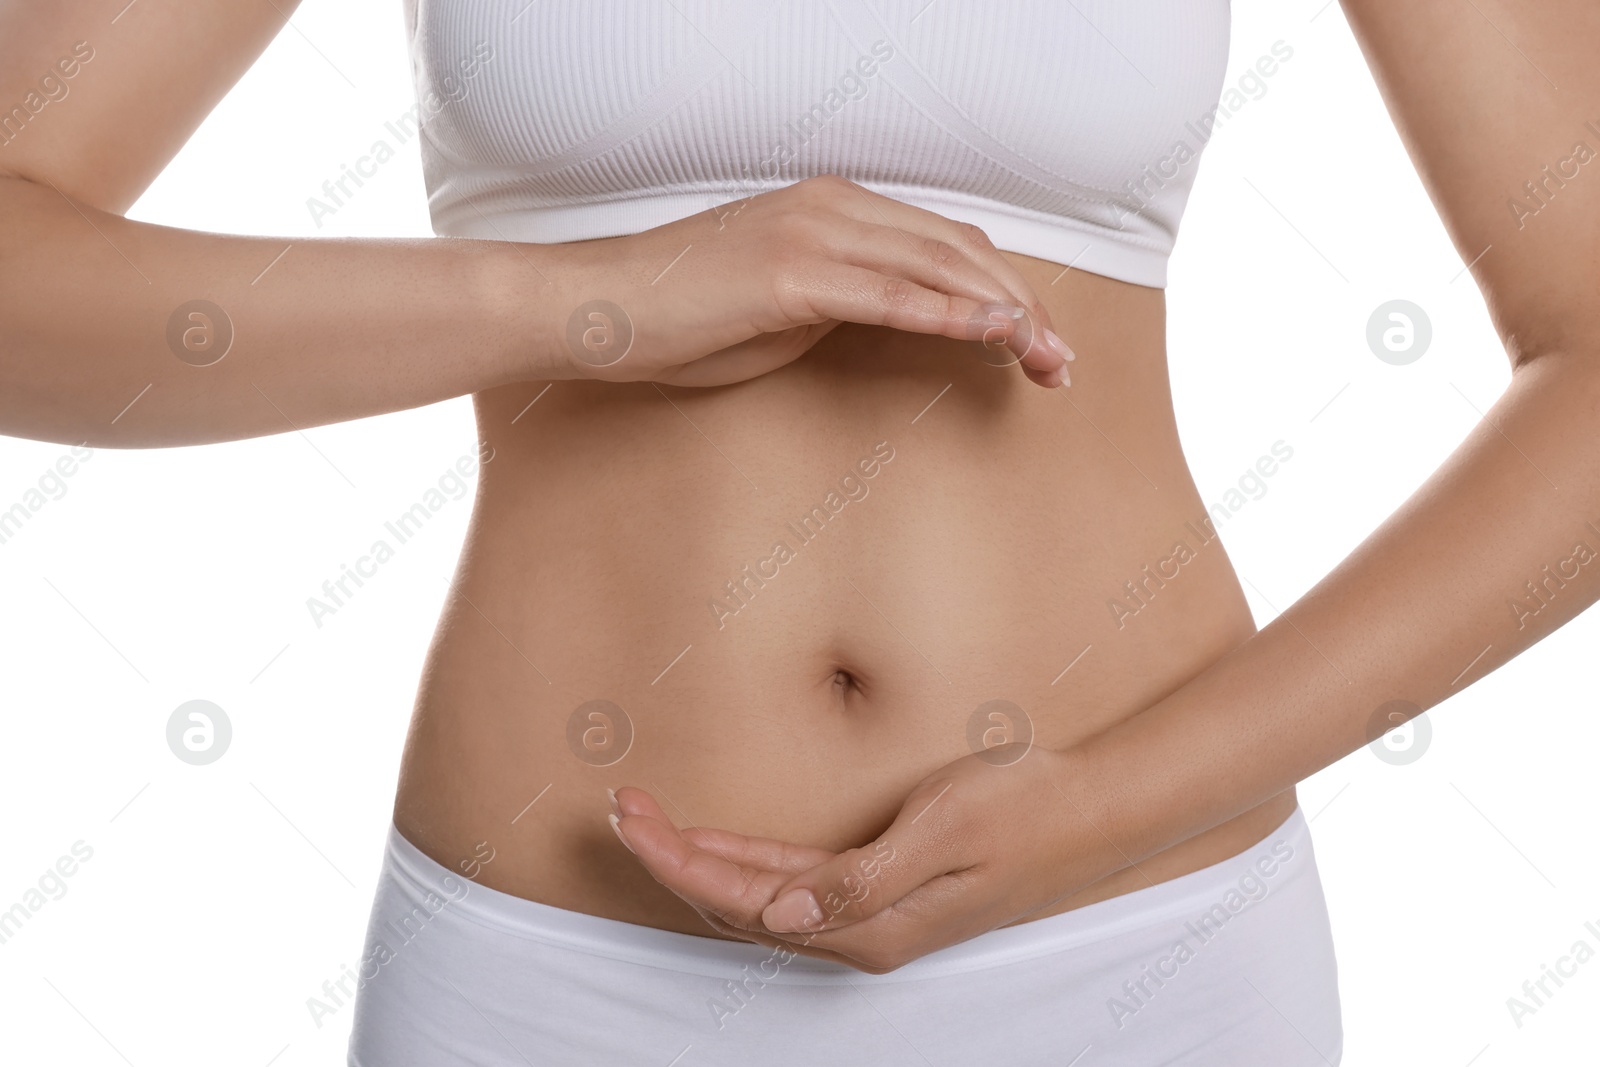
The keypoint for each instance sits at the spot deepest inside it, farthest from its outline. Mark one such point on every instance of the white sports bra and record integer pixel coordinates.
(1069, 130)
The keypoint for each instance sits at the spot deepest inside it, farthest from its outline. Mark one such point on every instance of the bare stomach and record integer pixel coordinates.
(779, 605)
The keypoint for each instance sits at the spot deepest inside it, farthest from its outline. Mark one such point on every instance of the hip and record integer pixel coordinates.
(1229, 964)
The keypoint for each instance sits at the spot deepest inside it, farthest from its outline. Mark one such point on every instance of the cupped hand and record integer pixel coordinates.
(732, 293)
(979, 844)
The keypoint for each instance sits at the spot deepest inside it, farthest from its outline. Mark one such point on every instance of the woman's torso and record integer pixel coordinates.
(793, 595)
(1042, 547)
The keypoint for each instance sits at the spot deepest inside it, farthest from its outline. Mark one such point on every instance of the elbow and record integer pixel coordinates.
(1558, 318)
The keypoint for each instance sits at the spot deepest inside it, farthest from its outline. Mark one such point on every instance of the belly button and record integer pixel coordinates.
(844, 683)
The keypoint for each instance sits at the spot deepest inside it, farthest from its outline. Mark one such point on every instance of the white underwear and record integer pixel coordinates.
(1230, 965)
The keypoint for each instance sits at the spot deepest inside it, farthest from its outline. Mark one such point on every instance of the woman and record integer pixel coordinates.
(771, 536)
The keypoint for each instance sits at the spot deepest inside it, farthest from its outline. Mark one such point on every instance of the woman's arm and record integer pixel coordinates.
(1498, 548)
(334, 330)
(94, 110)
(102, 339)
(1501, 546)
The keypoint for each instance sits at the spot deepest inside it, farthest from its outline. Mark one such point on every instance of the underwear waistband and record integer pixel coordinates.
(1283, 856)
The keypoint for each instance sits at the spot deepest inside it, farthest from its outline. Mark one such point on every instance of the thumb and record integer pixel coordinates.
(861, 882)
(751, 358)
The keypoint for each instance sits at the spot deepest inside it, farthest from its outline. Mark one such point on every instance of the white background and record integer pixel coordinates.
(220, 898)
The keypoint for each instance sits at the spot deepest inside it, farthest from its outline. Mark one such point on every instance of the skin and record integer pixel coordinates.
(477, 314)
(810, 714)
(1420, 610)
(836, 720)
(852, 671)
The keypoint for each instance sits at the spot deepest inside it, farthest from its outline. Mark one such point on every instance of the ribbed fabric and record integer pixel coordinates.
(1069, 131)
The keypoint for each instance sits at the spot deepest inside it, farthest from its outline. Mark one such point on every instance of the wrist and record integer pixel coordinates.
(1143, 779)
(532, 297)
(1088, 801)
(1128, 792)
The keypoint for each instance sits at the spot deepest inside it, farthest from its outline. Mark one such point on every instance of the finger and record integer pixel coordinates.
(1002, 334)
(938, 265)
(791, 945)
(762, 853)
(920, 921)
(748, 359)
(970, 238)
(928, 261)
(704, 879)
(977, 246)
(972, 241)
(917, 848)
(869, 935)
(857, 294)
(860, 945)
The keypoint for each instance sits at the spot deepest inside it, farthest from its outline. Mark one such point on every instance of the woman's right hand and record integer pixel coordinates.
(726, 295)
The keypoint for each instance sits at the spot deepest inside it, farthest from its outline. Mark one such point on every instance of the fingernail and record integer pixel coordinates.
(616, 828)
(1059, 345)
(611, 794)
(794, 911)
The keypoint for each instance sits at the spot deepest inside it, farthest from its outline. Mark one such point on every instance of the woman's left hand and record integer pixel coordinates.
(978, 844)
